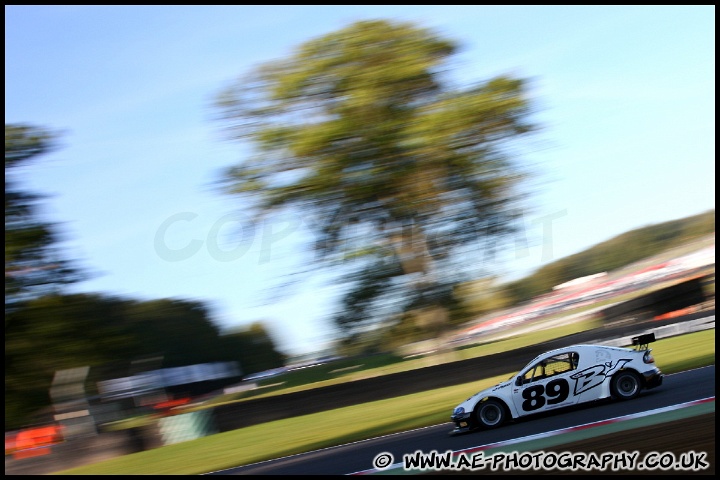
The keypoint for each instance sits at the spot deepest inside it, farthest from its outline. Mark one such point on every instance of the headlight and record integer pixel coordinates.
(458, 411)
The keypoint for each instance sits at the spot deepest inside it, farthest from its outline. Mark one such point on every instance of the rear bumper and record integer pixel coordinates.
(653, 378)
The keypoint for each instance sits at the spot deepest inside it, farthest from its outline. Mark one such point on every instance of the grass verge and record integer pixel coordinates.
(343, 425)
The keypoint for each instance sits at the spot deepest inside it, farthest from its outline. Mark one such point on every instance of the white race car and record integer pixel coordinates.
(561, 378)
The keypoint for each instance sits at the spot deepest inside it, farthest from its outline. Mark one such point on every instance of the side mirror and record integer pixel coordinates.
(519, 381)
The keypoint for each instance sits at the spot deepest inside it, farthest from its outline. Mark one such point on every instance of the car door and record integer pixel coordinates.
(546, 384)
(592, 379)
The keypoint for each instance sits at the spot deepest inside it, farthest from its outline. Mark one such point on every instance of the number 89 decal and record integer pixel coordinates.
(556, 391)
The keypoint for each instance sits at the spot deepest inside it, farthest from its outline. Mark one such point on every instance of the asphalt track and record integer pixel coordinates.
(603, 425)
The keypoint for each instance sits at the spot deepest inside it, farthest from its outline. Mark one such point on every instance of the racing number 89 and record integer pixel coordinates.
(556, 391)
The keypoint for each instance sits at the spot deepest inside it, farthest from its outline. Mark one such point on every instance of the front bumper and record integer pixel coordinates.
(653, 378)
(462, 422)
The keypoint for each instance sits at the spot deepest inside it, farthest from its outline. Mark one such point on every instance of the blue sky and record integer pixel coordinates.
(627, 97)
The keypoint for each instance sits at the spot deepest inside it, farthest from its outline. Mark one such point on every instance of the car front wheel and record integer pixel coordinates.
(626, 385)
(490, 414)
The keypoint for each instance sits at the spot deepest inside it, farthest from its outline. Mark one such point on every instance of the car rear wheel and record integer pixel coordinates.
(626, 385)
(490, 414)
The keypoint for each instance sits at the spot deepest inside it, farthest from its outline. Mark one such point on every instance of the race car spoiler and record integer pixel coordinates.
(642, 341)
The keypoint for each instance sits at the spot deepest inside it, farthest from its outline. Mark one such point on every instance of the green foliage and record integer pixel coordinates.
(26, 142)
(253, 348)
(108, 334)
(33, 266)
(481, 296)
(361, 131)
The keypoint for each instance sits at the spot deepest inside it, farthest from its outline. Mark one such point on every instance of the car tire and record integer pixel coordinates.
(626, 385)
(490, 414)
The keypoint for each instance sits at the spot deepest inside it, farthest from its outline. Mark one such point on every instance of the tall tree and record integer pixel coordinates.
(254, 348)
(33, 265)
(33, 268)
(363, 131)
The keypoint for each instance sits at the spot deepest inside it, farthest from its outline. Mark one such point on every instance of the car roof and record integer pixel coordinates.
(581, 346)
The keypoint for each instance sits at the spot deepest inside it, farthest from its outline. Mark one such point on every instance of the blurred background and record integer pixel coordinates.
(198, 198)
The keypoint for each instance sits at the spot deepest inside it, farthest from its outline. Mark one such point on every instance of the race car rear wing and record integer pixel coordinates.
(641, 342)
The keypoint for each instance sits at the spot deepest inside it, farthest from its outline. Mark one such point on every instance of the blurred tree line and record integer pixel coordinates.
(47, 330)
(615, 253)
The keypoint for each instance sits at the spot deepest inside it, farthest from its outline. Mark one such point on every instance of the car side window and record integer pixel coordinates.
(574, 360)
(537, 372)
(561, 364)
(551, 366)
